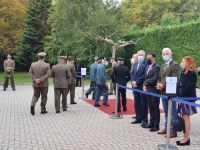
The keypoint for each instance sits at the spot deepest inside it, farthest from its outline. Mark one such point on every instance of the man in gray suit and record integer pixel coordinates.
(72, 79)
(151, 78)
(9, 67)
(61, 74)
(168, 69)
(40, 71)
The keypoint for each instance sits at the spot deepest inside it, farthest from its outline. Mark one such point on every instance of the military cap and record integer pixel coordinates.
(41, 54)
(62, 57)
(96, 58)
(120, 59)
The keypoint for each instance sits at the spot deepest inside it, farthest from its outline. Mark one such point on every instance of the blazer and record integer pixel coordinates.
(93, 72)
(138, 75)
(72, 79)
(120, 74)
(151, 77)
(61, 74)
(187, 84)
(171, 71)
(40, 70)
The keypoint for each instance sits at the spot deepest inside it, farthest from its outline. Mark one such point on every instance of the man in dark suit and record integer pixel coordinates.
(137, 79)
(168, 69)
(121, 75)
(151, 78)
(78, 66)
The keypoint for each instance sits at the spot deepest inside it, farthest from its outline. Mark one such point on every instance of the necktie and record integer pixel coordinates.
(165, 67)
(138, 65)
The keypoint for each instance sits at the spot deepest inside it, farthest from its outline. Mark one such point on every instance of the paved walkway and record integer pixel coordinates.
(82, 127)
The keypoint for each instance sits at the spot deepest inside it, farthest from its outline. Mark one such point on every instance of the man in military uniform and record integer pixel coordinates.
(61, 74)
(9, 67)
(93, 74)
(114, 63)
(72, 79)
(121, 75)
(40, 71)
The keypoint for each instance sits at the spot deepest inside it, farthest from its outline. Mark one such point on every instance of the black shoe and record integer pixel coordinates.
(32, 110)
(155, 128)
(73, 103)
(4, 89)
(64, 109)
(44, 112)
(124, 109)
(57, 112)
(86, 95)
(97, 105)
(136, 122)
(14, 89)
(183, 144)
(149, 126)
(144, 124)
(106, 105)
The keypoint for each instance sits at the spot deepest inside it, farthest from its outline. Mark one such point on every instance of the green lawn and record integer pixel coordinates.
(24, 78)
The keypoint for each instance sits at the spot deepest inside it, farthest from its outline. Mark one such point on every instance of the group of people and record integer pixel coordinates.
(145, 75)
(148, 76)
(64, 82)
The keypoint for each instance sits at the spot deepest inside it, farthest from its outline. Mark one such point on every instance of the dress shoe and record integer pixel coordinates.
(73, 103)
(106, 105)
(172, 135)
(43, 112)
(148, 126)
(97, 105)
(4, 89)
(144, 124)
(124, 109)
(14, 89)
(155, 128)
(32, 110)
(183, 144)
(136, 122)
(86, 95)
(65, 109)
(57, 112)
(162, 131)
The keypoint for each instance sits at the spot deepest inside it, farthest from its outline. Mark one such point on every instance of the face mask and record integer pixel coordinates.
(149, 62)
(141, 58)
(166, 58)
(106, 64)
(132, 60)
(182, 65)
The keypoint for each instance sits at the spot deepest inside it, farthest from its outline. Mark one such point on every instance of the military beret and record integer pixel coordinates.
(41, 54)
(120, 59)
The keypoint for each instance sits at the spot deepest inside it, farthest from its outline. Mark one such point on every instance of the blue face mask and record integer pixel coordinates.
(166, 57)
(141, 58)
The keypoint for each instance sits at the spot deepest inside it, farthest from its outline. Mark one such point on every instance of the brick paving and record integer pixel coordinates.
(82, 127)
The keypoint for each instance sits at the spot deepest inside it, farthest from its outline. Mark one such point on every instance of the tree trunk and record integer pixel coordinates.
(114, 48)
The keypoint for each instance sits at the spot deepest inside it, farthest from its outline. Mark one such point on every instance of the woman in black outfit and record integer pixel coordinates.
(187, 88)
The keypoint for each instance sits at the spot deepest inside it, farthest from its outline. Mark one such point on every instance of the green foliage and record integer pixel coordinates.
(37, 28)
(74, 25)
(182, 39)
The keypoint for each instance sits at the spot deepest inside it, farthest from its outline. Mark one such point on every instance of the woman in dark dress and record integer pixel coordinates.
(187, 88)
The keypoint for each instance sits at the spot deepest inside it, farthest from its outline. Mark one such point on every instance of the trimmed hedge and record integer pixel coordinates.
(183, 39)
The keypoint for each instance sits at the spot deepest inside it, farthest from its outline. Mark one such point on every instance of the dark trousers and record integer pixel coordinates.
(141, 107)
(7, 80)
(153, 103)
(71, 89)
(78, 80)
(92, 89)
(122, 93)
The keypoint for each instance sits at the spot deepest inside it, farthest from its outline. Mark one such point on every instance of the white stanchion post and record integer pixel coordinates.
(167, 146)
(116, 115)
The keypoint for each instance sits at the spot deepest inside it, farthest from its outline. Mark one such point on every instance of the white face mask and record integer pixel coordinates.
(132, 60)
(182, 65)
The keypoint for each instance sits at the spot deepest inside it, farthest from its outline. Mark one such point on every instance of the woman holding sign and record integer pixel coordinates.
(187, 88)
